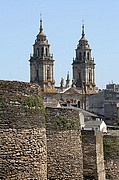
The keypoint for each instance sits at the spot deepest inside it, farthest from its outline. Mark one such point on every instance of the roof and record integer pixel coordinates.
(41, 33)
(83, 39)
(71, 90)
(85, 113)
(93, 123)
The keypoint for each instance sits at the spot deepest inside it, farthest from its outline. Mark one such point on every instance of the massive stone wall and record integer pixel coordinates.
(111, 156)
(66, 154)
(64, 144)
(93, 161)
(23, 152)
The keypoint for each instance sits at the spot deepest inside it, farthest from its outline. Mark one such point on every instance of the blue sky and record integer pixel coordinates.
(62, 20)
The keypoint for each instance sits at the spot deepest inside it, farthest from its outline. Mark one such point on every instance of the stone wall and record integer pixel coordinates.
(64, 144)
(23, 152)
(111, 156)
(93, 162)
(66, 153)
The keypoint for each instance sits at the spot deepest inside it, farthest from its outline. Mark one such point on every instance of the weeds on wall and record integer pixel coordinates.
(61, 122)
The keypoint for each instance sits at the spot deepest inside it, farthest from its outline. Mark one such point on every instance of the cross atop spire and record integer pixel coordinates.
(41, 27)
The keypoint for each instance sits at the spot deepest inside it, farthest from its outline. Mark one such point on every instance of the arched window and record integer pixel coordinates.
(78, 104)
(84, 55)
(90, 78)
(48, 72)
(46, 51)
(42, 51)
(80, 56)
(88, 55)
(37, 52)
(79, 76)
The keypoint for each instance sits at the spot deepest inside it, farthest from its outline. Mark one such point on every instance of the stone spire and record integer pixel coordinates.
(67, 80)
(83, 32)
(41, 26)
(84, 65)
(42, 62)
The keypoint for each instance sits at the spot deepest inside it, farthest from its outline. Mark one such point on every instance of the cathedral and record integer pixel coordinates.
(42, 63)
(83, 65)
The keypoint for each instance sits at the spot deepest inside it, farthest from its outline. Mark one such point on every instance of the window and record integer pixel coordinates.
(84, 55)
(88, 55)
(80, 56)
(117, 95)
(79, 76)
(42, 51)
(78, 104)
(90, 79)
(46, 51)
(48, 72)
(37, 51)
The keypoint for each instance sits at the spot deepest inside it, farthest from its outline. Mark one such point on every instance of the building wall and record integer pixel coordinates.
(74, 98)
(110, 110)
(105, 103)
(96, 103)
(65, 160)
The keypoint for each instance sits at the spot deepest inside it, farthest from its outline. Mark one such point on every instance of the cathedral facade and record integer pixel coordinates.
(42, 72)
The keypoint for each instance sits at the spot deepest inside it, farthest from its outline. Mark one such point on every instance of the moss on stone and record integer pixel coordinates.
(111, 147)
(32, 103)
(60, 122)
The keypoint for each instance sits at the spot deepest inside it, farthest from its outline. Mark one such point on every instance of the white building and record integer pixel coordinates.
(96, 125)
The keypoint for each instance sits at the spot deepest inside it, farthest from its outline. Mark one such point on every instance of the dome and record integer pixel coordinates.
(83, 42)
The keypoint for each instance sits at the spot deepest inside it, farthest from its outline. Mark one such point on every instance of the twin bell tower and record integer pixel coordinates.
(42, 64)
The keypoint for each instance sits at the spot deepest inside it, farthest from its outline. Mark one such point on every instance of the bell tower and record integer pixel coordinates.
(84, 66)
(41, 62)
